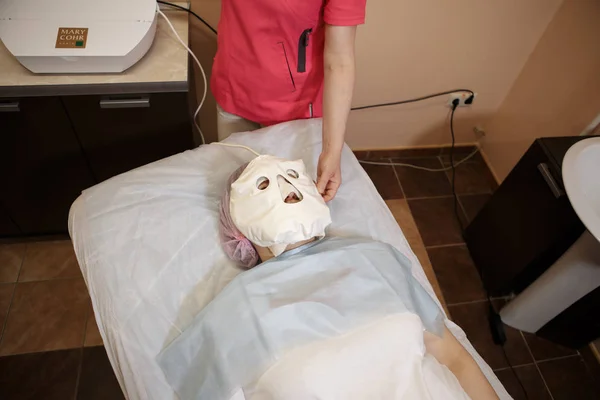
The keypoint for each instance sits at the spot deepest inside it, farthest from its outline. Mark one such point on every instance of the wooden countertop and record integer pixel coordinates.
(164, 68)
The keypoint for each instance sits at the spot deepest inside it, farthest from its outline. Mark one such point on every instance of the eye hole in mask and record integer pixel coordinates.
(292, 174)
(262, 183)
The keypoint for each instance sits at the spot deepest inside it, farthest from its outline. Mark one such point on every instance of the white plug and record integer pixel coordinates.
(462, 97)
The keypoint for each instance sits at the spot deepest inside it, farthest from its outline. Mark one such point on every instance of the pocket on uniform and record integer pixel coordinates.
(287, 69)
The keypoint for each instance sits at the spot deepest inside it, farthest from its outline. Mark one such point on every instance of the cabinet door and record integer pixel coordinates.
(42, 168)
(524, 227)
(7, 226)
(119, 133)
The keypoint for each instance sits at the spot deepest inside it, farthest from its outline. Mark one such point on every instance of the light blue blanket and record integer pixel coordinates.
(317, 292)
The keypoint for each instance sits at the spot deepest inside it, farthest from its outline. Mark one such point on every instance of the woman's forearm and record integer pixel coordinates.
(470, 377)
(338, 84)
(449, 352)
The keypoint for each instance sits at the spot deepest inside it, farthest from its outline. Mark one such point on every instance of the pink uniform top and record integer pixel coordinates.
(269, 63)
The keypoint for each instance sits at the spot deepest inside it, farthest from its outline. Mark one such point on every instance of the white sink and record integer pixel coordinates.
(577, 272)
(581, 176)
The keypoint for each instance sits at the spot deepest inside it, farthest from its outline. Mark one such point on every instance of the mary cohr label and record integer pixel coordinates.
(71, 38)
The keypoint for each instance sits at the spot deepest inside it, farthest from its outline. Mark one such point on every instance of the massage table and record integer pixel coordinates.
(148, 246)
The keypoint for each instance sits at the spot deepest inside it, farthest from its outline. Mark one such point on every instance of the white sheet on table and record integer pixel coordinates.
(148, 247)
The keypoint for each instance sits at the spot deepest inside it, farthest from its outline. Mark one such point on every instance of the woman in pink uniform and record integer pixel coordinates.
(282, 60)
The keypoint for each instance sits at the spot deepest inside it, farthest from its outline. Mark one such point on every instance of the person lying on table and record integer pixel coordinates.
(314, 317)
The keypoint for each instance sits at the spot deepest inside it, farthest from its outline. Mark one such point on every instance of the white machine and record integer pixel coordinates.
(77, 36)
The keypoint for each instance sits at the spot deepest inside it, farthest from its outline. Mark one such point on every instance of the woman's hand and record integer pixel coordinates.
(329, 174)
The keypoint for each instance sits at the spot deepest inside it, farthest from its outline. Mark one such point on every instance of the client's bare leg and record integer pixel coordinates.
(449, 352)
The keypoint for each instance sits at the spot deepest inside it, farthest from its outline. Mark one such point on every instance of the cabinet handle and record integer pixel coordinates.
(142, 102)
(13, 106)
(550, 181)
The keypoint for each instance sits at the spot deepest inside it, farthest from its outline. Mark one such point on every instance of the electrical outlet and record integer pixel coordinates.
(461, 96)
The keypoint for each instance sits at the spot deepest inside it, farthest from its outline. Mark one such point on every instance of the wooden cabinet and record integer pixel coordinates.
(119, 133)
(528, 223)
(52, 148)
(42, 168)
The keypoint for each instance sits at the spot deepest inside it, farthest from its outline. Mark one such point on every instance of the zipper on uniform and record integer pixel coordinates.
(302, 45)
(310, 110)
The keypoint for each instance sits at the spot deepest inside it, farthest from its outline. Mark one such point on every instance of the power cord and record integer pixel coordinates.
(469, 100)
(396, 164)
(195, 59)
(238, 146)
(455, 103)
(453, 167)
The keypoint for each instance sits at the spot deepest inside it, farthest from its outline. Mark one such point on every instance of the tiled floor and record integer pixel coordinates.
(50, 347)
(423, 205)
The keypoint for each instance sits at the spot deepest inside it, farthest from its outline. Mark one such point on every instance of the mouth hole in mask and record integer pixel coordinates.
(292, 174)
(289, 193)
(262, 183)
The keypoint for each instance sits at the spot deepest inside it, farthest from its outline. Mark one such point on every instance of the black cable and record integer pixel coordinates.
(429, 96)
(454, 106)
(189, 11)
(514, 372)
(494, 317)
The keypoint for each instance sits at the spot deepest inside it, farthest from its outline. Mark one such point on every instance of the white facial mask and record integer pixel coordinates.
(259, 210)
